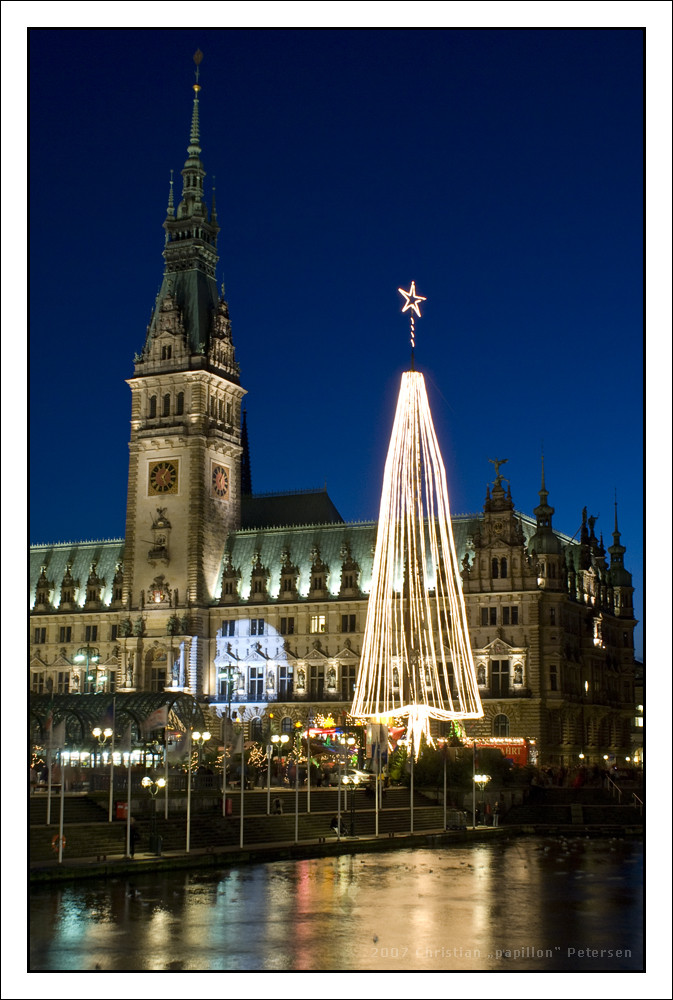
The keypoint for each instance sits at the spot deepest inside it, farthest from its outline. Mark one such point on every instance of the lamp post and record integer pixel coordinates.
(152, 786)
(103, 735)
(88, 655)
(226, 672)
(200, 739)
(482, 780)
(276, 741)
(352, 781)
(297, 746)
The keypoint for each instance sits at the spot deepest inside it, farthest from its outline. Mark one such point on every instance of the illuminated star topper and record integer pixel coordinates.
(413, 300)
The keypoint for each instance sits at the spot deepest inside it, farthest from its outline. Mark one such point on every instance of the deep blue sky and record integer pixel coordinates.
(499, 169)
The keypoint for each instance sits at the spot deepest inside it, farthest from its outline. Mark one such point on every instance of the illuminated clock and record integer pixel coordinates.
(164, 478)
(220, 481)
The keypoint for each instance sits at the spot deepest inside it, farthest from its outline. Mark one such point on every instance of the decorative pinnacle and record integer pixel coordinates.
(171, 206)
(194, 135)
(412, 303)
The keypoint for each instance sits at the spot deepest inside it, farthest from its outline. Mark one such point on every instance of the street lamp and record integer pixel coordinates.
(278, 741)
(102, 735)
(200, 739)
(353, 781)
(481, 780)
(88, 654)
(152, 786)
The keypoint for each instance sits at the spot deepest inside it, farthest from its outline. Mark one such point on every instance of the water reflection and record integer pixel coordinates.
(523, 904)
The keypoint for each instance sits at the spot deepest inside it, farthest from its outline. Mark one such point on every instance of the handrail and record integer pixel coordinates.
(614, 788)
(637, 803)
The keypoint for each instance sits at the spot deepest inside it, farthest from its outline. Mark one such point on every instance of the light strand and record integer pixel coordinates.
(416, 658)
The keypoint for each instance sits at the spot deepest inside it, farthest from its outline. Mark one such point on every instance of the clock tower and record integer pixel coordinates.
(185, 447)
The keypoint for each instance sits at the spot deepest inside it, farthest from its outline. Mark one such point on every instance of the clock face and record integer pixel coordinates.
(497, 527)
(163, 478)
(220, 481)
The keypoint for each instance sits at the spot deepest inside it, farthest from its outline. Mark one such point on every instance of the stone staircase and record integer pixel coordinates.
(588, 806)
(209, 830)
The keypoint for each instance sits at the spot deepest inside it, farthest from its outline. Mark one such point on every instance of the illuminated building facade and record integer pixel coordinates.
(257, 604)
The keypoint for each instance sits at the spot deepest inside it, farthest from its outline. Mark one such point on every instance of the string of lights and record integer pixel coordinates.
(416, 659)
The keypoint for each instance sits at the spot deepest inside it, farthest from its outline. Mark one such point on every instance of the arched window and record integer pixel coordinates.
(180, 404)
(501, 725)
(503, 568)
(286, 725)
(167, 404)
(256, 730)
(153, 406)
(494, 568)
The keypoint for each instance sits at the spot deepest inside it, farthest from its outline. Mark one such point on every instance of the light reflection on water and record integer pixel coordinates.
(523, 904)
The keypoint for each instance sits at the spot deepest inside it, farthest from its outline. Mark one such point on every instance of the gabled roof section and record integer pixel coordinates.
(106, 554)
(276, 510)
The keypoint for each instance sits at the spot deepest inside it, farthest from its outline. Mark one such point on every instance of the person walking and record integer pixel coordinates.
(133, 837)
(496, 812)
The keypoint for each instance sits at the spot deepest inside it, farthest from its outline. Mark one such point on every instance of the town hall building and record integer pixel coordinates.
(256, 604)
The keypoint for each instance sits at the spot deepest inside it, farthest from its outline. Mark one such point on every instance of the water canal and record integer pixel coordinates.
(528, 903)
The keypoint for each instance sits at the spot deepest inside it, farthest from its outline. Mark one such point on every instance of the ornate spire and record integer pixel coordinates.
(170, 210)
(543, 512)
(190, 251)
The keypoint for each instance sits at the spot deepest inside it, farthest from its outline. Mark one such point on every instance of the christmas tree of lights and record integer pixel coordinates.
(416, 659)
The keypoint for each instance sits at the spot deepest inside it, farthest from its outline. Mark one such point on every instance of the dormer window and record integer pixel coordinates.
(166, 352)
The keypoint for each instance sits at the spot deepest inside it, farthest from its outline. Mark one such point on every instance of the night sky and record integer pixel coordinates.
(502, 170)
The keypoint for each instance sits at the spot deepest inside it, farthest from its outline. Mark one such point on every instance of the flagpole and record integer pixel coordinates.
(308, 771)
(376, 786)
(242, 780)
(296, 791)
(128, 805)
(166, 772)
(189, 789)
(112, 760)
(60, 821)
(49, 782)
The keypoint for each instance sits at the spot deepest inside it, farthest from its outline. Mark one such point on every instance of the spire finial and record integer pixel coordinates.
(196, 87)
(171, 206)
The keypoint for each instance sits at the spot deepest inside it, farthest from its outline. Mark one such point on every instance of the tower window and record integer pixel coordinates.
(167, 405)
(494, 568)
(503, 568)
(180, 404)
(153, 406)
(165, 352)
